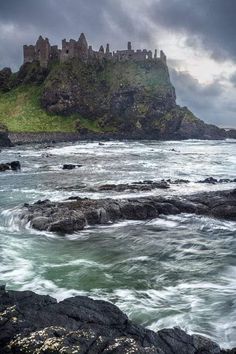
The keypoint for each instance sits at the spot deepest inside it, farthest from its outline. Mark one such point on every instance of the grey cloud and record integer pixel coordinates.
(211, 102)
(102, 20)
(233, 79)
(209, 22)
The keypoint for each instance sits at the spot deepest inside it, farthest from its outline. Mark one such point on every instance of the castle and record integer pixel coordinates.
(44, 52)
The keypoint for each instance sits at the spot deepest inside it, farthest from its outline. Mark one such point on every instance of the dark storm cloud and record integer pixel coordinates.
(102, 20)
(209, 22)
(209, 102)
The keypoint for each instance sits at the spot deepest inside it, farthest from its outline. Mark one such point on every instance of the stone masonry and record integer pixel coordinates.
(72, 49)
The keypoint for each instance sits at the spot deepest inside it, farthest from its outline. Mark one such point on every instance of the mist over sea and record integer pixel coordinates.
(171, 271)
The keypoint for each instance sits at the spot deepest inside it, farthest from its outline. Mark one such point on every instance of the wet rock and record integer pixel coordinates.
(212, 180)
(135, 186)
(178, 181)
(70, 166)
(209, 180)
(4, 138)
(4, 167)
(31, 323)
(73, 214)
(14, 166)
(68, 224)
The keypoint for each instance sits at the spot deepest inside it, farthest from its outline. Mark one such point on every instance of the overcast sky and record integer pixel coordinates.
(198, 37)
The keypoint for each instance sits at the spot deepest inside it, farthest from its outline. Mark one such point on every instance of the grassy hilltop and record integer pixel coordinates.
(127, 98)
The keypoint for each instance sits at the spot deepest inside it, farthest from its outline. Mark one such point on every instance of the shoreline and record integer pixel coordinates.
(59, 137)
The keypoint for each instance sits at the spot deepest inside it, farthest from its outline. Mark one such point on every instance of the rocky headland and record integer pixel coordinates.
(100, 99)
(31, 323)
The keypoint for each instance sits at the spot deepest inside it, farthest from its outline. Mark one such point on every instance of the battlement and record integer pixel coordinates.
(43, 52)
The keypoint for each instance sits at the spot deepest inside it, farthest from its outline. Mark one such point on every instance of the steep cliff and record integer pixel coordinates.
(122, 99)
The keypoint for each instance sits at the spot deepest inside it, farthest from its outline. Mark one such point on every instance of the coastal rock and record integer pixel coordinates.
(135, 186)
(212, 180)
(14, 166)
(31, 323)
(70, 166)
(73, 214)
(4, 139)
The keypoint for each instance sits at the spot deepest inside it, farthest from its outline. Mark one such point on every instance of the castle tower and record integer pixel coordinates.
(82, 47)
(29, 53)
(163, 57)
(42, 51)
(101, 50)
(129, 46)
(155, 55)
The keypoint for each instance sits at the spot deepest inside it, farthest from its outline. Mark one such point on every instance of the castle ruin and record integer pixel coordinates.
(44, 53)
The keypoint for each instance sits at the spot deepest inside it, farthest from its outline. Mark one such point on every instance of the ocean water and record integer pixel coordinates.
(171, 271)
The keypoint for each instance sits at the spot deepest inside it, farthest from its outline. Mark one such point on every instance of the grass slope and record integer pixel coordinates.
(20, 111)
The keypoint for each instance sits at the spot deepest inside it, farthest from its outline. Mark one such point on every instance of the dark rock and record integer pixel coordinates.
(70, 166)
(73, 214)
(14, 166)
(4, 167)
(209, 180)
(31, 323)
(135, 186)
(68, 224)
(4, 139)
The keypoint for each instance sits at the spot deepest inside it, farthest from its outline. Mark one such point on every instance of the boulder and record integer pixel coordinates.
(70, 166)
(14, 166)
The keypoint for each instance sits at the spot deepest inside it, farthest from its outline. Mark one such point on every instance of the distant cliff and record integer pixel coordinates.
(120, 99)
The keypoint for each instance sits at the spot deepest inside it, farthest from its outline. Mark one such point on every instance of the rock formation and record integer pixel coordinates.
(75, 213)
(31, 323)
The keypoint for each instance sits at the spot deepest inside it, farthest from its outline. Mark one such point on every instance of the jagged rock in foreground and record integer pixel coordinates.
(31, 323)
(75, 213)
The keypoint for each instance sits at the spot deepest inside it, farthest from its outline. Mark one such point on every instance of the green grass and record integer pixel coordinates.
(150, 75)
(20, 111)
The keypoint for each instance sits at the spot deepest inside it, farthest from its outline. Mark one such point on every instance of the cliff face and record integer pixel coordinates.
(125, 99)
(119, 96)
(132, 99)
